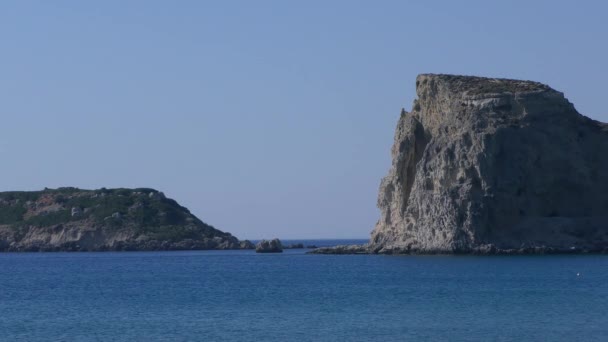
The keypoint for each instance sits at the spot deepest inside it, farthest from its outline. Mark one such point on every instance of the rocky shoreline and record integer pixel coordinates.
(131, 246)
(483, 250)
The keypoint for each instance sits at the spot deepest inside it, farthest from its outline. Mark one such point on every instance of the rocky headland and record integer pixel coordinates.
(484, 165)
(71, 219)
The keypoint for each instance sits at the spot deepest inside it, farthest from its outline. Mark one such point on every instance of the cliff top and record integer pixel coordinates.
(473, 85)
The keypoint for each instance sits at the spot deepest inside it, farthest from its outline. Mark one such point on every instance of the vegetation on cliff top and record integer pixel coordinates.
(146, 211)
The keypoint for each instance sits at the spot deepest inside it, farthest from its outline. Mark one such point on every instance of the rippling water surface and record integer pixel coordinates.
(243, 296)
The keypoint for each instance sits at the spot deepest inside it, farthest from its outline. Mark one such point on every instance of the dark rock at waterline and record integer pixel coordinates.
(342, 249)
(480, 250)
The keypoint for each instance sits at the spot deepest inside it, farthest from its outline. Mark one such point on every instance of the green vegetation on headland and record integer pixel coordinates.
(104, 219)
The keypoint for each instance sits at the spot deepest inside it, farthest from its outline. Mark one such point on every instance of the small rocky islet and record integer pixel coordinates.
(72, 219)
(492, 166)
(269, 246)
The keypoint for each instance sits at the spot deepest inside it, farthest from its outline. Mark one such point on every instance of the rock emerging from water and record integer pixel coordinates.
(483, 165)
(342, 249)
(269, 246)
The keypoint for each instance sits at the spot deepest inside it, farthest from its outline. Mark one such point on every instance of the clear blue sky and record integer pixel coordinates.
(265, 118)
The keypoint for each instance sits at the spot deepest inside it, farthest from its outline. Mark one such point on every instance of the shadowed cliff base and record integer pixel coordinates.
(492, 166)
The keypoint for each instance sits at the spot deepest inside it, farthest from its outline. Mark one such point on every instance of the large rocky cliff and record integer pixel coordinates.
(71, 219)
(483, 165)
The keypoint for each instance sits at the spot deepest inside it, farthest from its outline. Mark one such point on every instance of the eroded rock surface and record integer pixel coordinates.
(489, 165)
(484, 165)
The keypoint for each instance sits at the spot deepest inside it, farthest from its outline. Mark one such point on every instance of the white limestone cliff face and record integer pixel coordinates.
(482, 165)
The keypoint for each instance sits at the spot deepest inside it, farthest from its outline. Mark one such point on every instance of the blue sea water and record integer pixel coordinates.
(243, 296)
